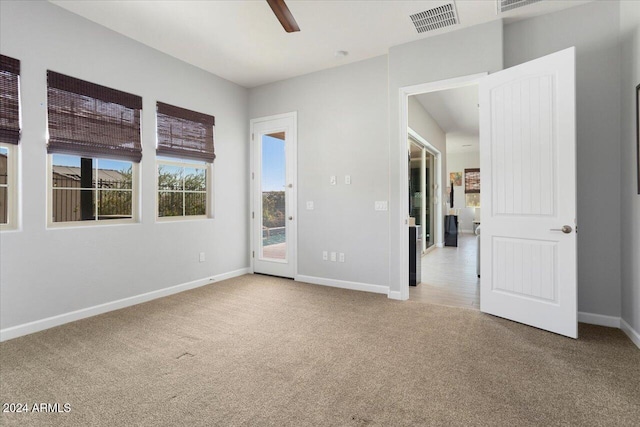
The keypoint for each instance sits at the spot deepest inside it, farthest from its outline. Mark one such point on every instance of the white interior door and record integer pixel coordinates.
(528, 198)
(273, 216)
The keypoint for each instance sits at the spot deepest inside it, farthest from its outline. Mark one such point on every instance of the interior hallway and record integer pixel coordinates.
(449, 276)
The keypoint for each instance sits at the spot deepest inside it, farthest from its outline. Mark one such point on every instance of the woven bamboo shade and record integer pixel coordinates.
(90, 120)
(184, 133)
(9, 100)
(471, 181)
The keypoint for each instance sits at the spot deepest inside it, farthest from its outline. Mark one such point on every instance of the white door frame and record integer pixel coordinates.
(439, 240)
(403, 207)
(294, 180)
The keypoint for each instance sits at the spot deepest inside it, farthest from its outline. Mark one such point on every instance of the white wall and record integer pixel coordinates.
(48, 272)
(593, 29)
(458, 162)
(468, 51)
(422, 122)
(342, 130)
(630, 73)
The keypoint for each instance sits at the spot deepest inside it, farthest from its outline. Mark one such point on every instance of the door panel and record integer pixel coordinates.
(527, 137)
(273, 195)
(525, 267)
(523, 147)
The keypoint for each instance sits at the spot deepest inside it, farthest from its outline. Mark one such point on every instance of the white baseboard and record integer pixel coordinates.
(354, 286)
(429, 249)
(599, 319)
(611, 322)
(394, 295)
(61, 319)
(631, 333)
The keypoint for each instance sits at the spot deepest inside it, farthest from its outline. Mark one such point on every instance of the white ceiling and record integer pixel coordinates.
(243, 42)
(456, 111)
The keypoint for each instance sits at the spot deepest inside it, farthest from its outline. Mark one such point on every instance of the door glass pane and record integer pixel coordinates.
(416, 195)
(429, 232)
(274, 235)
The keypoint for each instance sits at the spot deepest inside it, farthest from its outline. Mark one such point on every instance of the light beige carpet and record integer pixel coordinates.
(257, 351)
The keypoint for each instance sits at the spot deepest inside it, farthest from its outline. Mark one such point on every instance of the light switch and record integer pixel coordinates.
(333, 256)
(310, 205)
(332, 180)
(341, 257)
(347, 179)
(325, 255)
(201, 258)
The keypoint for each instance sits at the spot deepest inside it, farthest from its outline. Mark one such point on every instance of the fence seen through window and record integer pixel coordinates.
(182, 189)
(88, 189)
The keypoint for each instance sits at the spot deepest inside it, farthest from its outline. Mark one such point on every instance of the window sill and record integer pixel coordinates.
(87, 224)
(9, 229)
(170, 220)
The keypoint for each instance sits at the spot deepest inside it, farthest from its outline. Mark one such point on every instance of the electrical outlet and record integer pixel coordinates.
(310, 205)
(341, 257)
(381, 205)
(201, 258)
(332, 180)
(325, 255)
(347, 179)
(333, 256)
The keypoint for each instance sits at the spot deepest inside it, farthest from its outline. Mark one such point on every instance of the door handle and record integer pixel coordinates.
(290, 218)
(566, 229)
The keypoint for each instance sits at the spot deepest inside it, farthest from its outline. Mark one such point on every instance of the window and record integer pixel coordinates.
(8, 209)
(91, 189)
(9, 139)
(472, 187)
(182, 188)
(94, 146)
(186, 150)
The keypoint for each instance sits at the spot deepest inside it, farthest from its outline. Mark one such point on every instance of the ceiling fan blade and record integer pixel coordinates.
(284, 15)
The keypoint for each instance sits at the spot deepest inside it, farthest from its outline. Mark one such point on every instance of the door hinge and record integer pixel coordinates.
(253, 215)
(253, 254)
(252, 137)
(252, 176)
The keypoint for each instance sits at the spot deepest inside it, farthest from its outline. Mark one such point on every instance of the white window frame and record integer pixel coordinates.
(184, 163)
(135, 202)
(12, 187)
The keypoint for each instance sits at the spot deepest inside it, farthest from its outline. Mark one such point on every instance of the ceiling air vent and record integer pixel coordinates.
(507, 5)
(436, 18)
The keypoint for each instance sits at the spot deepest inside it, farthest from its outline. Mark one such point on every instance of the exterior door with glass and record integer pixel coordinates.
(273, 207)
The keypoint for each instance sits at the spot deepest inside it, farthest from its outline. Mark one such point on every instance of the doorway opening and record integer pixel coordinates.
(528, 262)
(448, 116)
